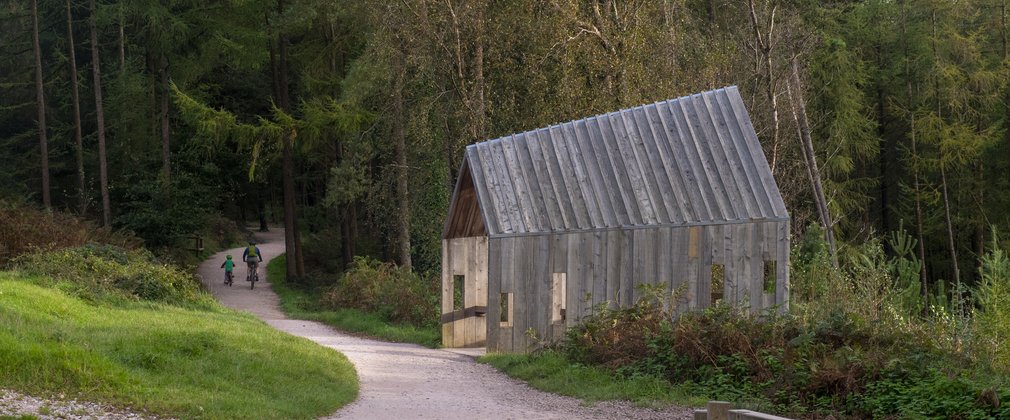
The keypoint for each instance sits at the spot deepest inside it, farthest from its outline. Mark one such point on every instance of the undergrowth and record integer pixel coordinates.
(318, 303)
(108, 273)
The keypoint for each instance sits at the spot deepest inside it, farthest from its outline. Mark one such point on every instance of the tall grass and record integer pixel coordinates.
(115, 326)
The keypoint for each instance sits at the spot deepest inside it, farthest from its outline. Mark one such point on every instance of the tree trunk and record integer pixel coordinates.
(100, 116)
(166, 162)
(122, 44)
(400, 141)
(261, 208)
(40, 98)
(764, 43)
(916, 187)
(800, 116)
(290, 226)
(76, 99)
(950, 238)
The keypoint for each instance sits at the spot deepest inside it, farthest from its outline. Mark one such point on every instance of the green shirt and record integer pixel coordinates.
(228, 265)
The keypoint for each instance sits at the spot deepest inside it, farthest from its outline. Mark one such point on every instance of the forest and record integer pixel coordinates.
(345, 121)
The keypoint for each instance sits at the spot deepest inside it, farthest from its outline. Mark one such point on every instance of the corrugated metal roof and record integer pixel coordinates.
(691, 160)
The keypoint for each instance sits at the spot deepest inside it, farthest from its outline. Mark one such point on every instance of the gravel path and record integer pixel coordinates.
(407, 381)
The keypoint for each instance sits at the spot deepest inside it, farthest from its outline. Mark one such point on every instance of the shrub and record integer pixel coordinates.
(25, 229)
(108, 273)
(395, 293)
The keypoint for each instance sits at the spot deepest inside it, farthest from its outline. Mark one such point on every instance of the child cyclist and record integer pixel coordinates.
(228, 266)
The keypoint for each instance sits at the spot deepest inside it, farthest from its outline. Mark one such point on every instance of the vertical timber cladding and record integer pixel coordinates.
(656, 194)
(467, 257)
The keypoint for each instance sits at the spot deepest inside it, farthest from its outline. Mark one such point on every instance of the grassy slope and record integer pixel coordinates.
(164, 359)
(551, 372)
(304, 304)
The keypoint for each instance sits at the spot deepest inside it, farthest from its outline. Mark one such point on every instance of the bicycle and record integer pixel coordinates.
(253, 275)
(228, 278)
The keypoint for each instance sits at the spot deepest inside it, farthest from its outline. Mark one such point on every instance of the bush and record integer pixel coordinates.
(108, 273)
(395, 293)
(25, 229)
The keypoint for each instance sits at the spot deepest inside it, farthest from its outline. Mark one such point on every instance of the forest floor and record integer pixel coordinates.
(403, 381)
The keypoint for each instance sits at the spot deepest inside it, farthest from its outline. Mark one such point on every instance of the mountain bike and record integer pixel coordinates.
(253, 275)
(228, 277)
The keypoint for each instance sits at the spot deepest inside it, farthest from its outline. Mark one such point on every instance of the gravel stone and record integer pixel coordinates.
(16, 404)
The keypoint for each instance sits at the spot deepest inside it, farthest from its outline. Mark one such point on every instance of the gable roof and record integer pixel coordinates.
(691, 160)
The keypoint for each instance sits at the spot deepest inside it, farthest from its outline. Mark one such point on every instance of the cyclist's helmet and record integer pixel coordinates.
(228, 257)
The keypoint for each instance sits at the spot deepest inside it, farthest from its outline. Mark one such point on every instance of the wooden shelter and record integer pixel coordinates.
(547, 224)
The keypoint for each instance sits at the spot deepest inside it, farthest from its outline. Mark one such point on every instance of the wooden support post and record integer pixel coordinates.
(718, 410)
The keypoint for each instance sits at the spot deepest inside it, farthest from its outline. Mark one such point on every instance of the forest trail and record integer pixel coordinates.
(407, 381)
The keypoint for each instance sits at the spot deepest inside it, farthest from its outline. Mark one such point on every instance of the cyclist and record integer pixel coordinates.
(253, 257)
(228, 266)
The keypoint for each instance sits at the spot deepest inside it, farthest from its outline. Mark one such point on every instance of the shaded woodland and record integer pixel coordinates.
(346, 120)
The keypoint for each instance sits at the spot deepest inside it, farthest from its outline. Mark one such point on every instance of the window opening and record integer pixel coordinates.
(559, 288)
(457, 292)
(769, 277)
(718, 282)
(506, 310)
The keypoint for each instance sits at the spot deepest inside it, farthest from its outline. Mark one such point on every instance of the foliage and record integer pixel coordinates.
(304, 302)
(164, 360)
(26, 229)
(102, 273)
(394, 293)
(992, 315)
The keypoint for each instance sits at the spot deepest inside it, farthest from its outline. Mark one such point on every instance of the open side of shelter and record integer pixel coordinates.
(546, 225)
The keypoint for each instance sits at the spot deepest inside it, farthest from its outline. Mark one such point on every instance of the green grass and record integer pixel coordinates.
(551, 372)
(301, 303)
(168, 360)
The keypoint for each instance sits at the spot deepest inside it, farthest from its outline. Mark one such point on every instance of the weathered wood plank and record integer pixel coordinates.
(782, 288)
(586, 197)
(469, 292)
(711, 151)
(591, 129)
(603, 199)
(575, 194)
(507, 280)
(447, 338)
(757, 154)
(576, 276)
(484, 195)
(664, 260)
(494, 294)
(636, 129)
(608, 140)
(545, 176)
(694, 182)
(599, 269)
(532, 181)
(741, 157)
(541, 279)
(713, 192)
(481, 321)
(729, 167)
(671, 203)
(628, 250)
(564, 198)
(628, 166)
(614, 245)
(501, 187)
(506, 182)
(527, 209)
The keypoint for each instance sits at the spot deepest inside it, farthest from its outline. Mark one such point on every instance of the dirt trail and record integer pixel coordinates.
(406, 381)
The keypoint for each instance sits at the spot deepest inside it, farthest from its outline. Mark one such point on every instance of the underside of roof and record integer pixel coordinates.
(691, 160)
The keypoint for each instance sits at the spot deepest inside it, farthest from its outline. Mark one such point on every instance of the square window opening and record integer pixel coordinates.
(718, 282)
(770, 277)
(458, 282)
(505, 305)
(559, 289)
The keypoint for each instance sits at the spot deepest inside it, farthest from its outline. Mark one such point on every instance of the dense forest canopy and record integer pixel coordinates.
(348, 119)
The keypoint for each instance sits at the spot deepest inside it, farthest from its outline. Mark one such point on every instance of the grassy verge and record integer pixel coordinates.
(303, 303)
(552, 372)
(169, 360)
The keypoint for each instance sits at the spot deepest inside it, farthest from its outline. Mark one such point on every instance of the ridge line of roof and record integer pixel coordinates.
(591, 117)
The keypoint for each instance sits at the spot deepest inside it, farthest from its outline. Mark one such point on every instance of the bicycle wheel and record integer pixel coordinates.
(252, 282)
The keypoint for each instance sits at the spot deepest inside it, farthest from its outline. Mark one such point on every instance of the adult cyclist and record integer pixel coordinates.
(253, 257)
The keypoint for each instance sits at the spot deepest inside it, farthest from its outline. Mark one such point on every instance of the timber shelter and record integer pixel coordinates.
(547, 224)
